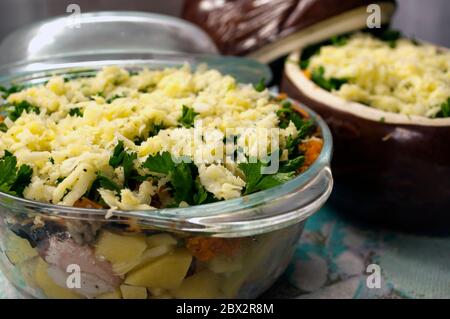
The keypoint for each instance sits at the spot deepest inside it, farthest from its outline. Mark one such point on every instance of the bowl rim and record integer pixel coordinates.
(244, 207)
(293, 72)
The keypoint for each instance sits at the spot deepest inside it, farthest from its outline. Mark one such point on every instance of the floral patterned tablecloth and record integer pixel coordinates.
(332, 257)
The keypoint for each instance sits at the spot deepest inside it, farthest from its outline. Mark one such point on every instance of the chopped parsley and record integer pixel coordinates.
(387, 35)
(256, 181)
(187, 117)
(76, 112)
(13, 180)
(106, 183)
(11, 90)
(330, 84)
(183, 178)
(445, 109)
(339, 40)
(261, 85)
(155, 128)
(3, 127)
(101, 182)
(120, 157)
(114, 97)
(292, 165)
(15, 111)
(288, 114)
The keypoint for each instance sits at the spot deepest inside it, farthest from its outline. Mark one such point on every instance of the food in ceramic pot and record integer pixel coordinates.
(100, 174)
(387, 101)
(272, 29)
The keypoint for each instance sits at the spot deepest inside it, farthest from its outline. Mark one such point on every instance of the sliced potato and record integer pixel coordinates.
(225, 264)
(18, 249)
(28, 270)
(231, 283)
(148, 256)
(124, 252)
(155, 292)
(161, 240)
(45, 282)
(165, 295)
(202, 285)
(133, 292)
(166, 272)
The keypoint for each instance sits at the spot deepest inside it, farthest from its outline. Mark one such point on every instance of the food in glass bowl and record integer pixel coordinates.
(155, 184)
(387, 101)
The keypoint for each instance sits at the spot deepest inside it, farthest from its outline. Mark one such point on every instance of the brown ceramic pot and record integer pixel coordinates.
(272, 29)
(388, 168)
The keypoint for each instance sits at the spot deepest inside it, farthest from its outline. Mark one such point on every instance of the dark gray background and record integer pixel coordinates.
(424, 19)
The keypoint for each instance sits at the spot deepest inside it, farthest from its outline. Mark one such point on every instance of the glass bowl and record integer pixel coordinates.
(231, 249)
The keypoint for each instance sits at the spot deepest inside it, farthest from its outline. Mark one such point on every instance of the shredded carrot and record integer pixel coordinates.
(282, 96)
(302, 112)
(133, 225)
(84, 202)
(2, 118)
(206, 248)
(307, 73)
(311, 149)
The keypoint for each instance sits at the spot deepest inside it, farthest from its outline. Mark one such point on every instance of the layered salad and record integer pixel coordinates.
(120, 140)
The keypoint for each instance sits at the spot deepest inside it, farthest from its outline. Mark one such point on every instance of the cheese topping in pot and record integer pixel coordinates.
(405, 77)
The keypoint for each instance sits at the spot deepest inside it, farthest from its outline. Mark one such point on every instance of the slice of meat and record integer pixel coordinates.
(62, 253)
(90, 285)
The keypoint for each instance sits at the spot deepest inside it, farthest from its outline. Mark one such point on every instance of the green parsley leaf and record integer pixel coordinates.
(183, 178)
(187, 117)
(202, 196)
(120, 157)
(12, 89)
(101, 181)
(3, 127)
(106, 183)
(339, 40)
(7, 173)
(307, 54)
(118, 154)
(331, 84)
(114, 97)
(76, 112)
(292, 165)
(129, 172)
(12, 180)
(445, 109)
(304, 127)
(160, 163)
(256, 181)
(261, 85)
(16, 110)
(182, 181)
(23, 179)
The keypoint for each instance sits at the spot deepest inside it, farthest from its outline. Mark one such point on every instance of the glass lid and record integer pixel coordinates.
(105, 38)
(104, 33)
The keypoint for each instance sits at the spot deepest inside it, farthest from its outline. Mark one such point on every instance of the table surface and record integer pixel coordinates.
(332, 259)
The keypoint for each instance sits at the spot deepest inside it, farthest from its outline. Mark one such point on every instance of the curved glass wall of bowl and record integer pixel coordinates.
(38, 71)
(109, 38)
(104, 33)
